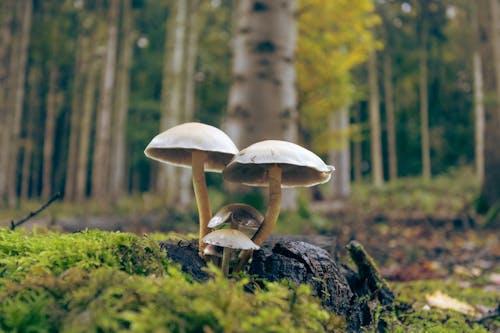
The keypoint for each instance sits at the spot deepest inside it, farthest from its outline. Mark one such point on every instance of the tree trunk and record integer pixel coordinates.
(33, 108)
(357, 150)
(191, 45)
(122, 102)
(424, 102)
(20, 77)
(101, 161)
(339, 156)
(490, 188)
(172, 93)
(389, 111)
(375, 130)
(87, 110)
(262, 99)
(6, 48)
(49, 137)
(76, 102)
(477, 70)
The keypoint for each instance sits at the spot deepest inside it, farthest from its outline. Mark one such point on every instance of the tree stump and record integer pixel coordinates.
(353, 295)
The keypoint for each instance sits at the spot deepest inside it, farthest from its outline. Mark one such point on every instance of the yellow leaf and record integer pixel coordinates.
(443, 301)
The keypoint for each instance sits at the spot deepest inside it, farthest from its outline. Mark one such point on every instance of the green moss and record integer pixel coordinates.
(414, 292)
(98, 281)
(419, 319)
(22, 252)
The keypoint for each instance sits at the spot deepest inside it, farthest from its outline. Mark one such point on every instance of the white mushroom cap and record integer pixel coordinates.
(300, 167)
(243, 214)
(230, 238)
(174, 146)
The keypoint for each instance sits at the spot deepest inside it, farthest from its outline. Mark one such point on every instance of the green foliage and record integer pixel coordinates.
(334, 37)
(98, 281)
(452, 192)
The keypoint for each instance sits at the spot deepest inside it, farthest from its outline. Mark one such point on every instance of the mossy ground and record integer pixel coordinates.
(97, 281)
(421, 317)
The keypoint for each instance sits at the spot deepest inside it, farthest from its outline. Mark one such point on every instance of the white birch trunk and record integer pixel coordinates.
(262, 100)
(375, 130)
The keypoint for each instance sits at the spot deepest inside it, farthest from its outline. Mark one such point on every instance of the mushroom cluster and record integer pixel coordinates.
(244, 221)
(270, 163)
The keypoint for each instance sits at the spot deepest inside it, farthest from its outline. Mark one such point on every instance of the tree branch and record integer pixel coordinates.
(14, 225)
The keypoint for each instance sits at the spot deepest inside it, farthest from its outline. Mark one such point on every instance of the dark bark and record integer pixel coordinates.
(345, 292)
(186, 254)
(301, 262)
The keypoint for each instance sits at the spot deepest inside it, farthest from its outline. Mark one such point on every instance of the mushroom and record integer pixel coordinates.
(276, 164)
(198, 146)
(212, 250)
(241, 216)
(229, 239)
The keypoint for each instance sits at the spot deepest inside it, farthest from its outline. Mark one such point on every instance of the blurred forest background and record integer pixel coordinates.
(382, 89)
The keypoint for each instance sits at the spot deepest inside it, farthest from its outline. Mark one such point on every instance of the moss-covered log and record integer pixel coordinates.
(350, 294)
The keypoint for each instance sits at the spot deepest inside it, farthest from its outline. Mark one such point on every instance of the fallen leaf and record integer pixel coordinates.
(495, 278)
(443, 301)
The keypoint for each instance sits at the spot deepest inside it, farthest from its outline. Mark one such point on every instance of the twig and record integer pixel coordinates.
(490, 315)
(14, 225)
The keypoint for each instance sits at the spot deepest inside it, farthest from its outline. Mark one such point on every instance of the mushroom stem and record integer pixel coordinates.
(273, 208)
(226, 257)
(201, 193)
(272, 213)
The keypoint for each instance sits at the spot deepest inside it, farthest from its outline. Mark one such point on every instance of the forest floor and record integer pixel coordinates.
(428, 258)
(427, 240)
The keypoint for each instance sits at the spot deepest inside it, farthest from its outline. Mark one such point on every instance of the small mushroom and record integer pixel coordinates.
(212, 250)
(229, 239)
(200, 147)
(275, 164)
(241, 216)
(213, 253)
